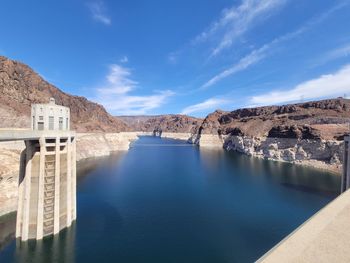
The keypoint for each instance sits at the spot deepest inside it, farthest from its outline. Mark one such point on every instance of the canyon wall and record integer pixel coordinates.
(308, 133)
(324, 154)
(184, 136)
(321, 154)
(89, 145)
(171, 123)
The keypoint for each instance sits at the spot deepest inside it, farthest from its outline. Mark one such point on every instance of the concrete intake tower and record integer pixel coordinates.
(47, 181)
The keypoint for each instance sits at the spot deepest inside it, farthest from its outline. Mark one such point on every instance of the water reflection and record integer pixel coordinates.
(55, 249)
(7, 229)
(288, 175)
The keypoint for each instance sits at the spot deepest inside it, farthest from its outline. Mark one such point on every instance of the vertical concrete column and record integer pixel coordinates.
(56, 227)
(74, 179)
(21, 190)
(26, 191)
(347, 172)
(346, 166)
(69, 181)
(41, 186)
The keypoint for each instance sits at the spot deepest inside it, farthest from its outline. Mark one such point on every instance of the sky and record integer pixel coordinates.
(183, 56)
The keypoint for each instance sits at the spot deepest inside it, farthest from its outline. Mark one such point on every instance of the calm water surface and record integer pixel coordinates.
(165, 201)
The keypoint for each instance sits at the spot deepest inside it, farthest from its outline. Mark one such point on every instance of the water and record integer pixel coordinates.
(163, 203)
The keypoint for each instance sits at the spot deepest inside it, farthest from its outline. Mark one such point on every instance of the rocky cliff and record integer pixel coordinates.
(20, 86)
(307, 133)
(328, 118)
(171, 123)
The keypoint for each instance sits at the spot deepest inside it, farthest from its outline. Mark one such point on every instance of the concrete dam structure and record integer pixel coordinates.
(47, 180)
(345, 181)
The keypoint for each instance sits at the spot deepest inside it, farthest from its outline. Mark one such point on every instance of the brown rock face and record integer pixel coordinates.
(167, 123)
(295, 132)
(326, 119)
(20, 86)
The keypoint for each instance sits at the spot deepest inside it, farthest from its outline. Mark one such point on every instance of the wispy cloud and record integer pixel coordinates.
(116, 95)
(340, 52)
(235, 21)
(259, 54)
(331, 85)
(124, 59)
(99, 12)
(173, 57)
(207, 105)
(252, 58)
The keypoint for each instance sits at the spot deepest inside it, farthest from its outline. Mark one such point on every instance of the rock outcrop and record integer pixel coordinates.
(171, 123)
(326, 119)
(302, 132)
(308, 133)
(20, 86)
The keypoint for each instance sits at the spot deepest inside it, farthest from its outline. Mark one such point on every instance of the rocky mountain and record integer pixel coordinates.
(20, 86)
(308, 133)
(167, 123)
(326, 119)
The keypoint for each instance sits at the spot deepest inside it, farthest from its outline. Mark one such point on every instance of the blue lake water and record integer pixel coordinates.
(167, 201)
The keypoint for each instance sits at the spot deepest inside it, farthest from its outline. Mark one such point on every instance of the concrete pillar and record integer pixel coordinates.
(41, 183)
(348, 164)
(74, 179)
(26, 192)
(21, 183)
(345, 180)
(69, 181)
(57, 186)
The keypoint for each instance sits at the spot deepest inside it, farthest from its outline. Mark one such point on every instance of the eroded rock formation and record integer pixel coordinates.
(167, 123)
(307, 133)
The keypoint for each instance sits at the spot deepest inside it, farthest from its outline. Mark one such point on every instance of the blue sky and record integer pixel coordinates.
(191, 57)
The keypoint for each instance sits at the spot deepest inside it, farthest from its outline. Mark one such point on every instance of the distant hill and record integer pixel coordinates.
(168, 123)
(20, 86)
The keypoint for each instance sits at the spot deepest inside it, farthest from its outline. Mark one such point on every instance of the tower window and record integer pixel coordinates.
(60, 123)
(51, 123)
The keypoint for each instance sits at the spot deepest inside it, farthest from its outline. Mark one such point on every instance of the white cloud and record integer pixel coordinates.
(136, 105)
(207, 105)
(118, 80)
(116, 97)
(331, 85)
(99, 12)
(235, 21)
(124, 59)
(259, 54)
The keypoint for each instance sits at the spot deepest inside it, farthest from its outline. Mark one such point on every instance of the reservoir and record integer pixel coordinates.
(168, 201)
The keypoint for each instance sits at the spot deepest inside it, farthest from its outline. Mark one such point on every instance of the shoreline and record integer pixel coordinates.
(269, 150)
